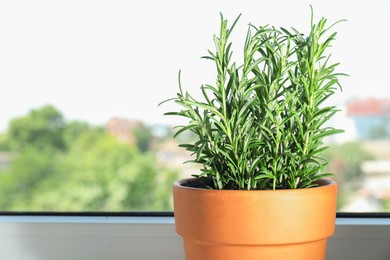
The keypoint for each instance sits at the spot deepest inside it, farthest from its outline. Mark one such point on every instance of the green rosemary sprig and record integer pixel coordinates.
(262, 124)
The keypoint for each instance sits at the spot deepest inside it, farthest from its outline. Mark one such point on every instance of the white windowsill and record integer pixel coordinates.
(117, 238)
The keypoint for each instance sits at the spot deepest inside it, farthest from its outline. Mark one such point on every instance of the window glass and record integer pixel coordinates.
(80, 81)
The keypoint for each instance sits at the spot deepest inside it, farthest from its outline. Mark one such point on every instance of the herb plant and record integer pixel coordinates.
(262, 124)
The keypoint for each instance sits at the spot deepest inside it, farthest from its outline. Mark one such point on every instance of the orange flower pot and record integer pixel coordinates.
(257, 224)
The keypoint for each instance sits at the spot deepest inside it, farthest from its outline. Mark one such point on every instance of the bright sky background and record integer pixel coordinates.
(95, 59)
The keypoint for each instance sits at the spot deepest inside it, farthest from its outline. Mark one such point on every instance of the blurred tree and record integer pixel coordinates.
(73, 130)
(143, 137)
(381, 131)
(61, 166)
(4, 143)
(41, 128)
(28, 170)
(102, 174)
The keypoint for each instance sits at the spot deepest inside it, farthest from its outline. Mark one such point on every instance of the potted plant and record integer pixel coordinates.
(261, 193)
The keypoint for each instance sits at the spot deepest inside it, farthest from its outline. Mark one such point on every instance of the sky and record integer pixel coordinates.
(95, 59)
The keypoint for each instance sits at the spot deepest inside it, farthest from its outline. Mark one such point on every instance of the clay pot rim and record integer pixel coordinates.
(323, 184)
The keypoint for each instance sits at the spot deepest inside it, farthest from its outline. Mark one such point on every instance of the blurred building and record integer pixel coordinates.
(122, 129)
(371, 117)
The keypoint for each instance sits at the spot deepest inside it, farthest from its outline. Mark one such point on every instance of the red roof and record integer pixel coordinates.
(369, 107)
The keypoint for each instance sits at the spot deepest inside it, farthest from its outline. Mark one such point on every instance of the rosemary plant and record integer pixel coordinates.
(262, 124)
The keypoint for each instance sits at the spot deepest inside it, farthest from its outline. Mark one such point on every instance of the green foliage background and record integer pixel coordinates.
(72, 166)
(345, 161)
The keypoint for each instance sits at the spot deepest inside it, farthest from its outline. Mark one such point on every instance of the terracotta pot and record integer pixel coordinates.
(261, 224)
